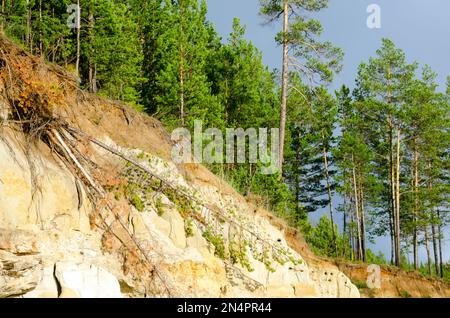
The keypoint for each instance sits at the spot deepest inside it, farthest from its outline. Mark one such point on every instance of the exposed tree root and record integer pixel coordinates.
(207, 213)
(101, 196)
(32, 102)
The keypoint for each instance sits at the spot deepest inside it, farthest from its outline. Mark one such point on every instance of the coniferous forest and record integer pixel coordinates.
(375, 158)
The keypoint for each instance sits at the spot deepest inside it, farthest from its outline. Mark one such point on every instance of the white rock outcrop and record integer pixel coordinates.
(86, 281)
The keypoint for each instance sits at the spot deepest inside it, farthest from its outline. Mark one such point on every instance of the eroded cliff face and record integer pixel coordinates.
(77, 220)
(51, 246)
(396, 283)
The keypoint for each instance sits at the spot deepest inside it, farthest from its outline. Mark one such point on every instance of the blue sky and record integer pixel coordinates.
(420, 27)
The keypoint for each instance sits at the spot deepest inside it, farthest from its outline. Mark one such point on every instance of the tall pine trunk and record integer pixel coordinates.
(416, 205)
(433, 229)
(363, 218)
(41, 41)
(427, 246)
(435, 246)
(350, 228)
(345, 223)
(391, 227)
(297, 183)
(78, 30)
(395, 232)
(441, 262)
(181, 69)
(29, 41)
(330, 198)
(91, 64)
(284, 86)
(182, 101)
(392, 179)
(397, 197)
(392, 233)
(358, 221)
(92, 78)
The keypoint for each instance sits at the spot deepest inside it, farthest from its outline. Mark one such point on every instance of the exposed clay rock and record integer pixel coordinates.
(177, 233)
(331, 283)
(86, 281)
(18, 242)
(36, 192)
(47, 287)
(18, 274)
(197, 241)
(66, 257)
(396, 283)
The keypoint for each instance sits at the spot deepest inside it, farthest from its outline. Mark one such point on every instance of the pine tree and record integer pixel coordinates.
(309, 159)
(16, 21)
(344, 113)
(303, 166)
(51, 34)
(243, 85)
(420, 108)
(40, 26)
(115, 52)
(356, 165)
(325, 110)
(184, 89)
(153, 20)
(320, 239)
(247, 91)
(435, 155)
(313, 59)
(383, 83)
